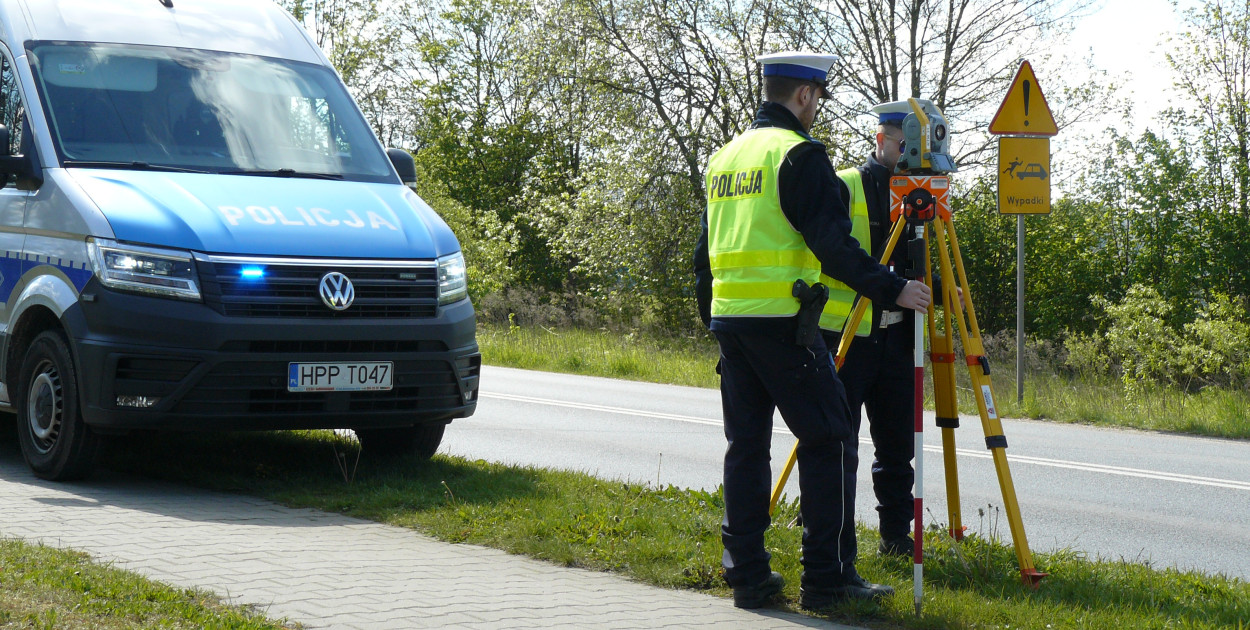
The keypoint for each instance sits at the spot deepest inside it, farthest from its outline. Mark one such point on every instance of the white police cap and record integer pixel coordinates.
(895, 112)
(892, 113)
(800, 65)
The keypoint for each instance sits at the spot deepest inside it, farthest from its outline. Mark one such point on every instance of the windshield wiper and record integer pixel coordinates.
(282, 172)
(134, 166)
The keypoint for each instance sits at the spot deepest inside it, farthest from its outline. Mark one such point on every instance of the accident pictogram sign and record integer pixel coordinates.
(1024, 175)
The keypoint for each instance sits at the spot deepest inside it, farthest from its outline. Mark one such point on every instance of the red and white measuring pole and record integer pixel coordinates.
(918, 413)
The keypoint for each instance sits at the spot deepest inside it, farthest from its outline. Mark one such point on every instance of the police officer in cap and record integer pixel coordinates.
(878, 373)
(775, 215)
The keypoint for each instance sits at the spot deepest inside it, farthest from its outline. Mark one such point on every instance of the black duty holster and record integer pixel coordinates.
(811, 304)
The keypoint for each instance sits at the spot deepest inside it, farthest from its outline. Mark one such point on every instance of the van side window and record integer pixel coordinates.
(12, 113)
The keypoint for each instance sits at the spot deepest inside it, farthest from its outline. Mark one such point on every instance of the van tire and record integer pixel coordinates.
(55, 441)
(421, 440)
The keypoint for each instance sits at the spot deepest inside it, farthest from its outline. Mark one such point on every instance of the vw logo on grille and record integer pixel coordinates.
(337, 291)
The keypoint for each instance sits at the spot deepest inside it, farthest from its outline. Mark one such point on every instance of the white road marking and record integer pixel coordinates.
(590, 407)
(1103, 468)
(1016, 459)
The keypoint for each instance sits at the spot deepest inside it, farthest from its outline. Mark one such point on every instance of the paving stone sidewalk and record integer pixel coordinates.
(329, 571)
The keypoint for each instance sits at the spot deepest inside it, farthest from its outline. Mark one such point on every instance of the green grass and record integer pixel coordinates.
(601, 353)
(1102, 401)
(669, 537)
(46, 588)
(1086, 400)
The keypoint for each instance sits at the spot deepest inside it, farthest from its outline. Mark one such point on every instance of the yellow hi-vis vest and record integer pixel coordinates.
(859, 230)
(754, 253)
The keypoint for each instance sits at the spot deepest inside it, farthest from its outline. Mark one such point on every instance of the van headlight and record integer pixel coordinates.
(163, 272)
(451, 281)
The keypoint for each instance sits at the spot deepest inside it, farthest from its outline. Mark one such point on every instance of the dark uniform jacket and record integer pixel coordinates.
(813, 199)
(876, 179)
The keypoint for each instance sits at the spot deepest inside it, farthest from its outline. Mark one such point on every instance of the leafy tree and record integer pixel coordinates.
(987, 247)
(1064, 265)
(632, 246)
(1149, 188)
(1212, 63)
(482, 120)
(961, 54)
(486, 243)
(689, 65)
(364, 42)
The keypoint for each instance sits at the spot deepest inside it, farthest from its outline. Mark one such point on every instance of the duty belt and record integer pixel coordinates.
(889, 318)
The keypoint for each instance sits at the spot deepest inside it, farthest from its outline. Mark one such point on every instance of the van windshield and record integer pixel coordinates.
(202, 111)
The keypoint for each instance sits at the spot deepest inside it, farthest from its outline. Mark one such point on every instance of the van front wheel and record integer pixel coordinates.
(55, 441)
(421, 440)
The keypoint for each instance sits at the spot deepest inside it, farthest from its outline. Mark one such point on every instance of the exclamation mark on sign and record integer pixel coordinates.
(1026, 102)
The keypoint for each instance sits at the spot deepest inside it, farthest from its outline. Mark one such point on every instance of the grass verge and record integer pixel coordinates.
(46, 588)
(1085, 400)
(600, 353)
(669, 536)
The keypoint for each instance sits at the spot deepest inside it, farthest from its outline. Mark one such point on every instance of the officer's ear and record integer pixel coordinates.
(805, 93)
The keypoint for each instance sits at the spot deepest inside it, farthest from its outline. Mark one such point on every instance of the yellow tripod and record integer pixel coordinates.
(942, 358)
(908, 194)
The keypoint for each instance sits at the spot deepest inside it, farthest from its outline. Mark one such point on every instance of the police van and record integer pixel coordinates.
(200, 231)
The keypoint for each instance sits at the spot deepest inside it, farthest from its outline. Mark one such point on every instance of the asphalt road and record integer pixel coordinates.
(1170, 500)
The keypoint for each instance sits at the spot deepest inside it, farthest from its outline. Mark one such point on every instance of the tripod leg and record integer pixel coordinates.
(844, 346)
(979, 371)
(942, 357)
(781, 480)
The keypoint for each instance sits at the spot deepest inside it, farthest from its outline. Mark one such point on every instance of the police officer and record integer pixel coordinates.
(775, 215)
(878, 373)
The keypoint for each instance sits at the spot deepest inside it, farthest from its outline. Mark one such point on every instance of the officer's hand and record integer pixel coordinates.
(959, 298)
(915, 295)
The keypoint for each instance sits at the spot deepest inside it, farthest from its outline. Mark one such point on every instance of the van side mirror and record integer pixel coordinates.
(23, 167)
(9, 165)
(405, 166)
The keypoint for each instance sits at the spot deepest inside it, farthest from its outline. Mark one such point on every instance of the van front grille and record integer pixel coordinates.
(259, 387)
(241, 288)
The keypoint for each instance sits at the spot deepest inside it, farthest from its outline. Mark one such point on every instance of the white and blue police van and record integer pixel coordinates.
(200, 231)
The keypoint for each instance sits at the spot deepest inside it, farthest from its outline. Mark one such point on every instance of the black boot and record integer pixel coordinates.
(902, 546)
(759, 594)
(857, 588)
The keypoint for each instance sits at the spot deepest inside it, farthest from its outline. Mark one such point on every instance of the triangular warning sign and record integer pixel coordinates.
(1024, 110)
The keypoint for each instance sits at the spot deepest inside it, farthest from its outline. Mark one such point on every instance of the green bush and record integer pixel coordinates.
(1087, 354)
(1140, 339)
(1141, 346)
(486, 242)
(1216, 346)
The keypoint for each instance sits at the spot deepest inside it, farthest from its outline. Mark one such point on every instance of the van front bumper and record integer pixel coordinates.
(201, 370)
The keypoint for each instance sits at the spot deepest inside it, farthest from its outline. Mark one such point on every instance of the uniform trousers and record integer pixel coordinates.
(879, 377)
(760, 373)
